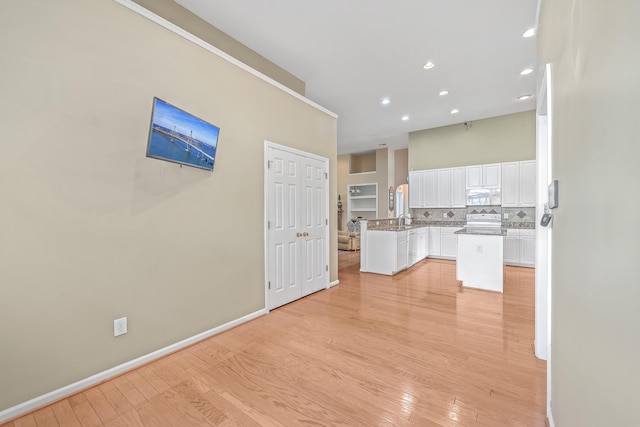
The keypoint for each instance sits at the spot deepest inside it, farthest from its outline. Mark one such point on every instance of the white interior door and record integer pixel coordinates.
(297, 230)
(283, 228)
(313, 211)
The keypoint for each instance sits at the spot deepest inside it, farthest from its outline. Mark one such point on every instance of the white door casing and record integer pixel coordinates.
(296, 236)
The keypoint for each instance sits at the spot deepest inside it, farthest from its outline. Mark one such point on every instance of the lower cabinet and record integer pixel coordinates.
(520, 247)
(402, 251)
(434, 241)
(449, 242)
(418, 245)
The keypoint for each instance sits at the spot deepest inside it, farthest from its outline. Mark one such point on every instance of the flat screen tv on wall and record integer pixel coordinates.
(177, 136)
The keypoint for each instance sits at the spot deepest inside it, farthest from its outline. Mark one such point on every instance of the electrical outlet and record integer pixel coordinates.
(120, 326)
(506, 216)
(444, 215)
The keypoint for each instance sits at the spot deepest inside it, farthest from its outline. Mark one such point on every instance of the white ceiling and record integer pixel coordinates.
(353, 53)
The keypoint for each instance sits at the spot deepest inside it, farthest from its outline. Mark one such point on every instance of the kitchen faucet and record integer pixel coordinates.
(405, 217)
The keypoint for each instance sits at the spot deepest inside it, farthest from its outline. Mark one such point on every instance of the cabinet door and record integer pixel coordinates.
(528, 249)
(474, 176)
(402, 252)
(413, 247)
(510, 184)
(448, 242)
(512, 247)
(458, 187)
(415, 189)
(422, 244)
(527, 183)
(444, 188)
(491, 175)
(430, 188)
(434, 241)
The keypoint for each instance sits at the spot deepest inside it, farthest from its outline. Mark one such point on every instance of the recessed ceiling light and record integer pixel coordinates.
(529, 33)
(405, 118)
(429, 65)
(523, 97)
(385, 101)
(526, 71)
(443, 92)
(455, 111)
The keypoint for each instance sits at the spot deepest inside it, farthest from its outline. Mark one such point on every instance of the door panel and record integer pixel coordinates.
(314, 207)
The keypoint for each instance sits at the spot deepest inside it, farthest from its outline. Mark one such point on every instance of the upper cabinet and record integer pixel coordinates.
(437, 188)
(519, 184)
(415, 189)
(484, 176)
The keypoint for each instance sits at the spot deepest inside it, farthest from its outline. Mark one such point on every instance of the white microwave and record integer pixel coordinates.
(484, 196)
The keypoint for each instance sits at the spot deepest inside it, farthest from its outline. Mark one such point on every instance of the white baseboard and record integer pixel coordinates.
(65, 391)
(335, 282)
(550, 418)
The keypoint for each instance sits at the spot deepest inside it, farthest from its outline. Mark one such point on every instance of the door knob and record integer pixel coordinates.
(298, 234)
(305, 234)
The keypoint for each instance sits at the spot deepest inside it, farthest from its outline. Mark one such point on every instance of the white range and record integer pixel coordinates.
(480, 252)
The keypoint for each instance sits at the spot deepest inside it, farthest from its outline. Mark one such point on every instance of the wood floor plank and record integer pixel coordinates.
(414, 349)
(45, 417)
(64, 414)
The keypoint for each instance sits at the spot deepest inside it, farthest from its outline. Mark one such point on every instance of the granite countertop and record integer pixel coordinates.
(460, 224)
(483, 231)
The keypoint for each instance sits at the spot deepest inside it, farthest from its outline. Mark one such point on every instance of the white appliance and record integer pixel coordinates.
(484, 224)
(484, 196)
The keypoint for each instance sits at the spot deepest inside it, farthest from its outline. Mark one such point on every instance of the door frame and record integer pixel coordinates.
(267, 145)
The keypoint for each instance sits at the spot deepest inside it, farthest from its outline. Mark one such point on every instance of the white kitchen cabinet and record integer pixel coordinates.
(519, 184)
(415, 189)
(434, 241)
(402, 251)
(528, 247)
(430, 188)
(363, 201)
(458, 187)
(528, 183)
(444, 188)
(484, 176)
(448, 242)
(512, 247)
(418, 249)
(520, 247)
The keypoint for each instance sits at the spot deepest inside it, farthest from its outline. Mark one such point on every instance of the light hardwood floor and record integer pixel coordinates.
(413, 349)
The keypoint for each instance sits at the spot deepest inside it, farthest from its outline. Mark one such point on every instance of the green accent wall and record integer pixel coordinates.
(495, 140)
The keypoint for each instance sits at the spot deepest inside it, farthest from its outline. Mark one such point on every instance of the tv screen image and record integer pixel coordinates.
(180, 137)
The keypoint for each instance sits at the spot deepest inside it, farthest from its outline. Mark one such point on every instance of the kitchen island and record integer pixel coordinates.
(480, 258)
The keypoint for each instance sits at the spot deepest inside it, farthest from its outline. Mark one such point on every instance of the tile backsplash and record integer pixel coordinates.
(456, 215)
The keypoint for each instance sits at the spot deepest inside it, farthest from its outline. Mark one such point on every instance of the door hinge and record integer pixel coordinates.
(268, 164)
(268, 224)
(326, 221)
(326, 175)
(269, 284)
(326, 267)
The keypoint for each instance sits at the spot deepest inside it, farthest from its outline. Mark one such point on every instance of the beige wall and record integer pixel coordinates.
(498, 139)
(91, 229)
(183, 18)
(593, 50)
(362, 162)
(401, 167)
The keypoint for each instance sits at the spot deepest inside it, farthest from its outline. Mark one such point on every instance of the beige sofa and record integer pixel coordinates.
(348, 241)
